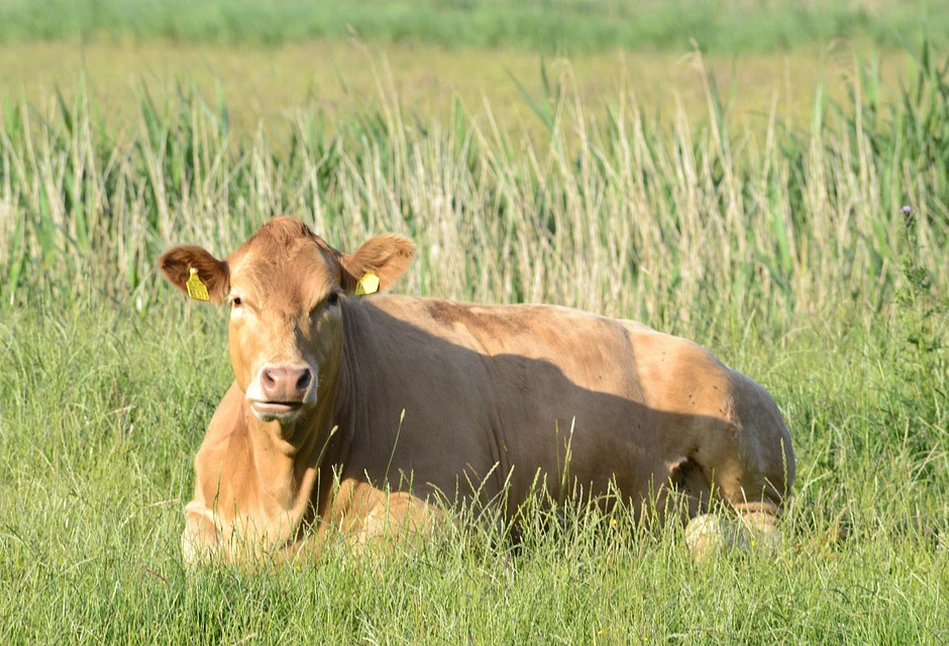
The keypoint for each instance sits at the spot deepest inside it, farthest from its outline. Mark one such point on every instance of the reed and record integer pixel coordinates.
(662, 221)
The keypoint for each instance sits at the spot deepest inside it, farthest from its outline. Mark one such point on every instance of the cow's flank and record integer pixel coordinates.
(366, 412)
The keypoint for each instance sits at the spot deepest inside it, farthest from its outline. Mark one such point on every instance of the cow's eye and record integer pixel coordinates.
(333, 298)
(236, 301)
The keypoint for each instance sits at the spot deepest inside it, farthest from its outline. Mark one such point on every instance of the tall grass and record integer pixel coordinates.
(658, 221)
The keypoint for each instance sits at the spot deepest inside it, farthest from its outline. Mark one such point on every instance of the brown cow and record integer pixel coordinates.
(358, 412)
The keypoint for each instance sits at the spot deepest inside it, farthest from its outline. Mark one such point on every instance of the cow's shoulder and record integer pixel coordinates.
(438, 315)
(226, 437)
(228, 418)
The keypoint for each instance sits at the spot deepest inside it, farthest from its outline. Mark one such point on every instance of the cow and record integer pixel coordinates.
(367, 412)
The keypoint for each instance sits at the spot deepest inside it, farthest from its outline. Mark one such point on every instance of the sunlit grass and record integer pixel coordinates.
(98, 465)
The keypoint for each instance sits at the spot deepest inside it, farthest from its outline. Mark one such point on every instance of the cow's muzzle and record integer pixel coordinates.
(283, 391)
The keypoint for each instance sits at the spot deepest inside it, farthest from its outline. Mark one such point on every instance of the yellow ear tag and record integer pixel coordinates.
(196, 289)
(368, 284)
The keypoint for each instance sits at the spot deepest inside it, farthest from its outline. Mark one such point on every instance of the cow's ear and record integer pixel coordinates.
(385, 256)
(183, 264)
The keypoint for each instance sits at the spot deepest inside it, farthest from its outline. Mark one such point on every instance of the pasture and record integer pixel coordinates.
(783, 247)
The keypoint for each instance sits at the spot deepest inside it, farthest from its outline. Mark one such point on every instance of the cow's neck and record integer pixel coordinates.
(359, 364)
(295, 469)
(287, 467)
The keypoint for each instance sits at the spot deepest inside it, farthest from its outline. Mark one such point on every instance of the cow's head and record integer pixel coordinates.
(285, 286)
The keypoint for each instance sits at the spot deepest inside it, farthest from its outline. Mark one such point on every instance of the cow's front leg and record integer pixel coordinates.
(397, 518)
(206, 540)
(201, 540)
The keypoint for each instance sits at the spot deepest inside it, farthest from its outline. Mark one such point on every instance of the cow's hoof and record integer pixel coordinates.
(761, 529)
(708, 534)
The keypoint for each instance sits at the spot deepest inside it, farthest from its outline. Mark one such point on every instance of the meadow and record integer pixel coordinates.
(273, 59)
(785, 248)
(570, 26)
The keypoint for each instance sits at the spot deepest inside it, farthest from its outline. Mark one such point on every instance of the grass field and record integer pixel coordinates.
(97, 467)
(570, 26)
(785, 250)
(270, 60)
(274, 86)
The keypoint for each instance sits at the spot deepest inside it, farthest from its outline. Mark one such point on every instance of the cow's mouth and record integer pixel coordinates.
(270, 411)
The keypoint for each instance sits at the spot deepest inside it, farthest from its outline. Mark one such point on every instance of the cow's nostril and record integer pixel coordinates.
(303, 382)
(285, 383)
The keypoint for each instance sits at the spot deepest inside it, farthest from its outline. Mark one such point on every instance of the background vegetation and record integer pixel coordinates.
(274, 58)
(785, 248)
(569, 25)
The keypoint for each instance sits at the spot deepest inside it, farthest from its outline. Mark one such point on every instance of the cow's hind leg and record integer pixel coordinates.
(733, 520)
(755, 526)
(761, 519)
(394, 519)
(721, 516)
(749, 464)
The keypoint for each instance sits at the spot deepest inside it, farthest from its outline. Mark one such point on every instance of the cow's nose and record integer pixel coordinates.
(285, 383)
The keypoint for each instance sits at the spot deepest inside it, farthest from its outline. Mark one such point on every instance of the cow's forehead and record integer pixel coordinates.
(282, 236)
(286, 261)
